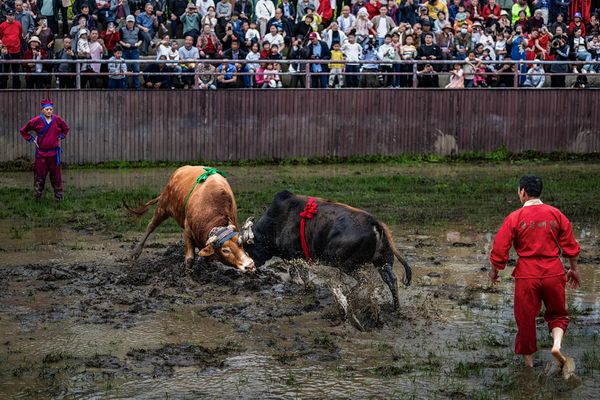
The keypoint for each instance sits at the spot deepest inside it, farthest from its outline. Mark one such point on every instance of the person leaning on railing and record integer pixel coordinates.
(131, 39)
(66, 53)
(117, 78)
(560, 50)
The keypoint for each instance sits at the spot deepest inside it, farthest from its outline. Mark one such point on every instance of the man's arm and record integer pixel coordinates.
(500, 249)
(64, 128)
(24, 131)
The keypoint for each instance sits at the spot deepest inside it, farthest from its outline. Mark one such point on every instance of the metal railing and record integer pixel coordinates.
(414, 68)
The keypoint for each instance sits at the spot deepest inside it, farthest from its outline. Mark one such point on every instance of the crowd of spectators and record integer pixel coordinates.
(481, 35)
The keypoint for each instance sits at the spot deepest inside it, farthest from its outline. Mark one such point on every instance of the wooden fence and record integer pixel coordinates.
(264, 124)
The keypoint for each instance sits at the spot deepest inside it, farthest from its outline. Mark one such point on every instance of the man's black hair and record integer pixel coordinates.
(532, 185)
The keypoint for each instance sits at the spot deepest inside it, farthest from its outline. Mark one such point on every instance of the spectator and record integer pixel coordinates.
(369, 69)
(245, 9)
(475, 11)
(186, 54)
(191, 22)
(34, 53)
(173, 55)
(456, 78)
(253, 55)
(103, 11)
(131, 39)
(316, 18)
(10, 35)
(274, 37)
(205, 77)
(577, 23)
(26, 21)
(506, 74)
(434, 7)
(346, 20)
(271, 77)
(517, 8)
(439, 23)
(75, 29)
(500, 47)
(283, 25)
(462, 43)
(96, 51)
(491, 13)
(265, 10)
(535, 77)
(304, 28)
(66, 53)
(164, 47)
(453, 10)
(560, 50)
(49, 9)
(336, 69)
(469, 68)
(117, 78)
(362, 26)
(260, 75)
(579, 46)
(288, 11)
(208, 43)
(594, 48)
(223, 12)
(535, 22)
(325, 12)
(110, 37)
(46, 36)
(430, 51)
(120, 10)
(90, 20)
(226, 76)
(203, 6)
(427, 77)
(318, 50)
(235, 53)
(387, 53)
(333, 34)
(4, 68)
(408, 52)
(160, 8)
(301, 8)
(156, 75)
(383, 24)
(210, 18)
(84, 53)
(445, 39)
(147, 23)
(176, 9)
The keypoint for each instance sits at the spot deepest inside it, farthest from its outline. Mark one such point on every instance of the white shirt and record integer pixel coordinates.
(532, 202)
(274, 39)
(352, 51)
(382, 28)
(203, 6)
(345, 24)
(265, 9)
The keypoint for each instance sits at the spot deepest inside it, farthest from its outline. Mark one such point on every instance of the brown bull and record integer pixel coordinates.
(207, 212)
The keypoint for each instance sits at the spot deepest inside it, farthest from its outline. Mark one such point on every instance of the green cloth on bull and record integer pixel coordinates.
(207, 172)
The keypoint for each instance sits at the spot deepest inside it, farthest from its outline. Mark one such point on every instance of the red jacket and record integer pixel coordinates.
(49, 141)
(373, 8)
(487, 11)
(10, 34)
(538, 233)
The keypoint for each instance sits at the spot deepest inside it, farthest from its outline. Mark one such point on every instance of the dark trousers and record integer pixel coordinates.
(65, 21)
(15, 69)
(557, 81)
(352, 80)
(388, 80)
(406, 80)
(53, 23)
(41, 167)
(174, 25)
(319, 81)
(66, 82)
(89, 79)
(34, 82)
(298, 80)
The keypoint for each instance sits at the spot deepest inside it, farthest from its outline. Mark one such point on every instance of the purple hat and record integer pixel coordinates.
(45, 103)
(577, 15)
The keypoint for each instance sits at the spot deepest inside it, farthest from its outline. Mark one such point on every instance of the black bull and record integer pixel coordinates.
(339, 235)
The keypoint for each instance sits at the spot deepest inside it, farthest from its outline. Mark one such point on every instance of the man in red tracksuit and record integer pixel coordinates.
(540, 234)
(49, 131)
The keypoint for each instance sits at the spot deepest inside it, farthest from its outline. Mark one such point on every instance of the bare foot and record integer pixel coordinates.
(558, 356)
(528, 359)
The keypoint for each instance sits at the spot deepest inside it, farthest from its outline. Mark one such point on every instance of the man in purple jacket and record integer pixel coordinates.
(48, 131)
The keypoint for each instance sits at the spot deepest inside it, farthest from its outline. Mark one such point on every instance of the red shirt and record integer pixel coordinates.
(49, 141)
(10, 34)
(538, 233)
(110, 39)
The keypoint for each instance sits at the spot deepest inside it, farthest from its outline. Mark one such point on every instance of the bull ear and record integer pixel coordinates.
(207, 251)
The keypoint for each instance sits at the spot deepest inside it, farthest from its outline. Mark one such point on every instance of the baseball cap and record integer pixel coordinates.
(504, 12)
(11, 12)
(577, 15)
(312, 35)
(130, 18)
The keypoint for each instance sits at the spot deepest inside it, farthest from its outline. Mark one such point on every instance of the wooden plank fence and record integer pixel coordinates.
(264, 124)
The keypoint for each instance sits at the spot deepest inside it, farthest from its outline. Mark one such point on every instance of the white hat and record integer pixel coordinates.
(35, 39)
(130, 18)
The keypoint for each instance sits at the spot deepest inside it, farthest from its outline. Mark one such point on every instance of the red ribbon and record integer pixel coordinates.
(310, 210)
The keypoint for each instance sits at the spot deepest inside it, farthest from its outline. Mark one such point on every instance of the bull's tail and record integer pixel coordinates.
(141, 210)
(407, 269)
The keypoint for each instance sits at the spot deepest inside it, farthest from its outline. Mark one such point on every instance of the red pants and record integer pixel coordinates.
(41, 168)
(529, 294)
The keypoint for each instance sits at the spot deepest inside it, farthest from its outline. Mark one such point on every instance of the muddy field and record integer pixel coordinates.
(80, 320)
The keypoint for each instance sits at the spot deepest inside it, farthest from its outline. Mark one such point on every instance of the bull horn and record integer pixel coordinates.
(246, 234)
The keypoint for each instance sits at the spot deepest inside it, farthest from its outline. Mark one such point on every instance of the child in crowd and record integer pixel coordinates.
(336, 68)
(117, 78)
(457, 80)
(271, 77)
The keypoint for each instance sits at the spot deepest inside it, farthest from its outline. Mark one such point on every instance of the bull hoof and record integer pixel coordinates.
(188, 266)
(136, 254)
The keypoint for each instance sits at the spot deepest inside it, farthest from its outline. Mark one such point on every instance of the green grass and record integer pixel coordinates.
(422, 194)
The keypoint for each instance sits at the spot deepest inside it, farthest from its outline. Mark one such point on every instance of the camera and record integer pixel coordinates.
(556, 42)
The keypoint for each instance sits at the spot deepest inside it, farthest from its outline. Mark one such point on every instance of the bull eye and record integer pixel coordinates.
(226, 251)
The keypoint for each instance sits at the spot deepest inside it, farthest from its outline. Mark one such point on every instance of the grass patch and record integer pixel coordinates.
(468, 369)
(419, 194)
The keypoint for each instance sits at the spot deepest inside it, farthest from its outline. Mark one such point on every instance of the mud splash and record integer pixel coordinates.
(90, 323)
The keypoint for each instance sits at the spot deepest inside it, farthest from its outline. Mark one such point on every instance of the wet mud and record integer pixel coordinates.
(92, 323)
